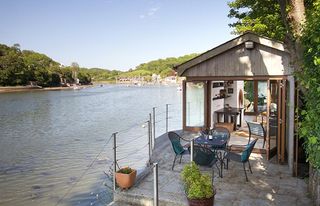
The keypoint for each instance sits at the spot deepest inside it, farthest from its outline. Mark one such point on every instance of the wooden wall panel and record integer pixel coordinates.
(239, 61)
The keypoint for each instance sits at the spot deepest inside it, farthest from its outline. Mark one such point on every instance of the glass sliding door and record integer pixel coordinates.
(255, 97)
(195, 95)
(262, 96)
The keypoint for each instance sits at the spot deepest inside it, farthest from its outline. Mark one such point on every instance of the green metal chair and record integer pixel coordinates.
(177, 147)
(257, 129)
(243, 157)
(203, 156)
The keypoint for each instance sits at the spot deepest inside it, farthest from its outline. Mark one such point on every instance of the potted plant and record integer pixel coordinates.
(126, 177)
(198, 187)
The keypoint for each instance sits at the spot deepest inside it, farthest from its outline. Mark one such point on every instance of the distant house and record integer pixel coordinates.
(170, 80)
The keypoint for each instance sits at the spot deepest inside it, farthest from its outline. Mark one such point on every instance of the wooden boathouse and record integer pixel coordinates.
(250, 75)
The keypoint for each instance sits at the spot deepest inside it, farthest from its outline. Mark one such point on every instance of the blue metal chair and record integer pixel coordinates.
(256, 129)
(203, 156)
(177, 147)
(243, 157)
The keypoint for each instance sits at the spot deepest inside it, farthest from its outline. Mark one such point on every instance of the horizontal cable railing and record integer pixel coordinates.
(131, 146)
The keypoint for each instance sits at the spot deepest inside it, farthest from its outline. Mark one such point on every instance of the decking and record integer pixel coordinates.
(270, 184)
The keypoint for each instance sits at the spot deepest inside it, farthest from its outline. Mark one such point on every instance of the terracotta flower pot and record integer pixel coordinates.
(125, 181)
(201, 202)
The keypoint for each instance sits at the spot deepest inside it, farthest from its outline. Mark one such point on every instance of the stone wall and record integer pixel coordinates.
(314, 185)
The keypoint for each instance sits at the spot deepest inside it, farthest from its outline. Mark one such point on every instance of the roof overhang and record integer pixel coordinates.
(246, 37)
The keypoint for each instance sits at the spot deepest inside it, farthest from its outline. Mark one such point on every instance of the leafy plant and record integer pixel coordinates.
(309, 79)
(197, 185)
(126, 170)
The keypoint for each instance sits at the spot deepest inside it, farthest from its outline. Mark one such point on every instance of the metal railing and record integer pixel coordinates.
(157, 122)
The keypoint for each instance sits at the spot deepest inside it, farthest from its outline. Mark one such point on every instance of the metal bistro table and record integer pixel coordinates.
(215, 142)
(233, 112)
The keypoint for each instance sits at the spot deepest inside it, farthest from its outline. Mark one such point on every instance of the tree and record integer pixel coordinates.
(282, 20)
(75, 70)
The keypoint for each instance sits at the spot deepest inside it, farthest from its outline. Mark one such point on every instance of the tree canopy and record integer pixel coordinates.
(160, 66)
(260, 16)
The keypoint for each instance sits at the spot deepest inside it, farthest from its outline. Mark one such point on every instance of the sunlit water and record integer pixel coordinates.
(53, 147)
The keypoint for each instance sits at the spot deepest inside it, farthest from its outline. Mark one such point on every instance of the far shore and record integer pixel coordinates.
(10, 89)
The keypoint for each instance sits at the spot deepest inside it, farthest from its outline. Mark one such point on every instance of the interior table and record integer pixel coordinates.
(232, 112)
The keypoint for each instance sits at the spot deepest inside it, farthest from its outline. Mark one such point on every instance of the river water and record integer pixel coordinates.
(54, 147)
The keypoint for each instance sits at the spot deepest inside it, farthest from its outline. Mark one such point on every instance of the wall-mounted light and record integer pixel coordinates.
(249, 44)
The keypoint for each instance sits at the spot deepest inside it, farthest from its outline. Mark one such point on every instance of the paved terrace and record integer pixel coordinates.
(270, 184)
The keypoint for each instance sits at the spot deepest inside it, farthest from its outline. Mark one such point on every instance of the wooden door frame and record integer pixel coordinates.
(283, 89)
(207, 108)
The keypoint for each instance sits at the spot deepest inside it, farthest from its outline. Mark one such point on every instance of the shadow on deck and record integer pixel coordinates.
(270, 184)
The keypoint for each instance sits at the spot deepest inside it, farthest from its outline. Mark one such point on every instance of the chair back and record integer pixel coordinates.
(256, 128)
(202, 156)
(247, 152)
(175, 142)
(222, 134)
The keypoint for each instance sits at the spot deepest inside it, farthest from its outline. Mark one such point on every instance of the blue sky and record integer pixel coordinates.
(114, 34)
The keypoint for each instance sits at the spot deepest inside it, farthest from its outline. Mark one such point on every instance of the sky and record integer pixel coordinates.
(114, 34)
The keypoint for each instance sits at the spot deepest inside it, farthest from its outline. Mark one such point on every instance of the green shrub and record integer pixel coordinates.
(197, 185)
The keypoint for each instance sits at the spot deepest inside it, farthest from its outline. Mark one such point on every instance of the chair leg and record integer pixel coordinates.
(227, 163)
(221, 169)
(212, 176)
(220, 174)
(244, 168)
(174, 162)
(249, 166)
(180, 159)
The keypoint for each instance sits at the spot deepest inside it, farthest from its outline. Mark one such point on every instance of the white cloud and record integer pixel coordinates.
(149, 13)
(152, 11)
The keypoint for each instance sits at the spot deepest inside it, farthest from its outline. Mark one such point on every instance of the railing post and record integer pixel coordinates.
(154, 122)
(191, 150)
(149, 139)
(167, 117)
(155, 185)
(114, 160)
(150, 129)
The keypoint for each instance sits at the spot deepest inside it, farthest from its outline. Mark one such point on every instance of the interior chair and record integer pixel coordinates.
(178, 149)
(243, 157)
(256, 129)
(204, 156)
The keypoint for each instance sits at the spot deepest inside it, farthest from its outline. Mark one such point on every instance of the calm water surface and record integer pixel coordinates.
(49, 140)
